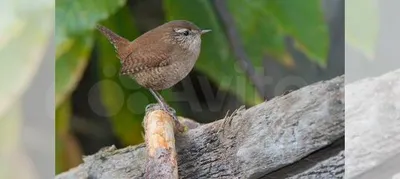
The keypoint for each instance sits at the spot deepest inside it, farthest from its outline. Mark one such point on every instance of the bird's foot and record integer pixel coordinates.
(178, 125)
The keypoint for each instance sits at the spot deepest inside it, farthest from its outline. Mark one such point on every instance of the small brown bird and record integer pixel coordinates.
(161, 57)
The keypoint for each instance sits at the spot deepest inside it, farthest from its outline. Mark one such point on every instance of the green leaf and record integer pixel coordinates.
(258, 32)
(216, 59)
(362, 25)
(122, 97)
(304, 21)
(70, 67)
(75, 18)
(75, 21)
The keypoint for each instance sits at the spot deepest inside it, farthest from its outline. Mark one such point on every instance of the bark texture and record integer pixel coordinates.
(297, 135)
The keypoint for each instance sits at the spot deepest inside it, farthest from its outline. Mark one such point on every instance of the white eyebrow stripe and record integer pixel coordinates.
(181, 30)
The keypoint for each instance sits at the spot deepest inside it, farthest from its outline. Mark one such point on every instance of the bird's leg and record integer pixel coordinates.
(165, 107)
(160, 100)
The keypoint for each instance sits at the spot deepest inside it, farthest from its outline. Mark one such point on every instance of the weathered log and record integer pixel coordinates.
(297, 135)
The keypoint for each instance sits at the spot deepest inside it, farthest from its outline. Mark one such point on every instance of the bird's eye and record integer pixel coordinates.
(186, 33)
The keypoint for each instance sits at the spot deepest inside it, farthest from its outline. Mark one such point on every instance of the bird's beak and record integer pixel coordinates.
(205, 31)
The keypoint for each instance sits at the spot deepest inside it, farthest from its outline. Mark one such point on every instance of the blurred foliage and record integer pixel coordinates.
(211, 61)
(10, 134)
(68, 153)
(75, 21)
(25, 30)
(71, 65)
(74, 18)
(63, 114)
(305, 24)
(29, 31)
(362, 26)
(10, 124)
(262, 25)
(126, 121)
(259, 31)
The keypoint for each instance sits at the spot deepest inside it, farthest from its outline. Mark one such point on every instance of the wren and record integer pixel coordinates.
(159, 58)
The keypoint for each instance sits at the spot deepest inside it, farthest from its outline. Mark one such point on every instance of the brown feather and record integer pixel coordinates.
(120, 44)
(157, 59)
(148, 51)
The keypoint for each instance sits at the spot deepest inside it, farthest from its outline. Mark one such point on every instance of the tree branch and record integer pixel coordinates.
(301, 132)
(237, 46)
(160, 142)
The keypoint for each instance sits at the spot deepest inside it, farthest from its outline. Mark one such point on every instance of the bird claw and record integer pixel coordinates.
(169, 110)
(172, 113)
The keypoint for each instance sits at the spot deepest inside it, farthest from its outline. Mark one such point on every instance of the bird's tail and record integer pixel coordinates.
(117, 41)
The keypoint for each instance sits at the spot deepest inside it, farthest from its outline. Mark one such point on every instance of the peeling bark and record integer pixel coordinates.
(160, 144)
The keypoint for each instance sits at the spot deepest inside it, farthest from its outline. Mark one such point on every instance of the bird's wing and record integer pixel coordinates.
(145, 55)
